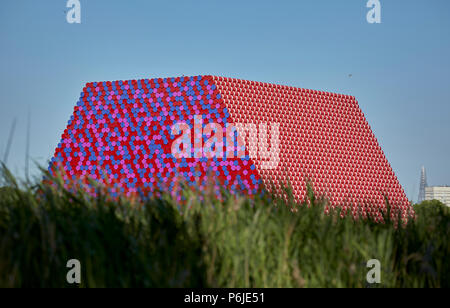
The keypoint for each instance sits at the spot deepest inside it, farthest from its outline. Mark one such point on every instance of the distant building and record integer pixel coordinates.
(423, 184)
(441, 193)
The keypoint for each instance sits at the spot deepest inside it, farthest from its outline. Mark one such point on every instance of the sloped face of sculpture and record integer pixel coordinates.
(145, 134)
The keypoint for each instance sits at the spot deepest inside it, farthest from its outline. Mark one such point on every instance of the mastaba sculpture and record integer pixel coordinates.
(144, 134)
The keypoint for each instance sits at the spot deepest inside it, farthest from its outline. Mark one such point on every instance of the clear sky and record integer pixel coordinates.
(400, 69)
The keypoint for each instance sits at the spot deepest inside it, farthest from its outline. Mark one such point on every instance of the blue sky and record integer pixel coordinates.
(400, 68)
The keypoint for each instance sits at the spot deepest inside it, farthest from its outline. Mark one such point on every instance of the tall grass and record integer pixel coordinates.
(236, 242)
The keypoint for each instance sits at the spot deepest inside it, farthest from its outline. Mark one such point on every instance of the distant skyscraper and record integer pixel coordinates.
(423, 184)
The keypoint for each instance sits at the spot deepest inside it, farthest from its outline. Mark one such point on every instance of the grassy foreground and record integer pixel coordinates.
(236, 242)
